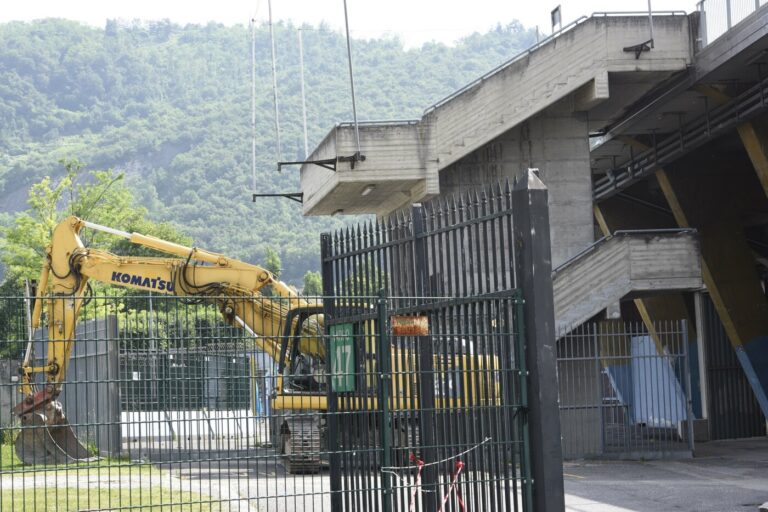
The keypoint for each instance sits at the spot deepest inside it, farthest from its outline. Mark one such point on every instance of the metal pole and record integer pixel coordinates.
(253, 103)
(687, 384)
(274, 82)
(384, 356)
(28, 354)
(351, 80)
(332, 416)
(650, 20)
(702, 24)
(303, 96)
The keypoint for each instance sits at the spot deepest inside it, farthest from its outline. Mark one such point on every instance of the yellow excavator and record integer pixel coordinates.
(235, 287)
(284, 325)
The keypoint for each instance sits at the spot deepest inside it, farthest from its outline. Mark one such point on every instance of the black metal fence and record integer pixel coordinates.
(405, 389)
(206, 421)
(433, 419)
(624, 391)
(460, 262)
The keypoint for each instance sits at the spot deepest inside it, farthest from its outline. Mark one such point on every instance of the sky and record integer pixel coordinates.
(415, 21)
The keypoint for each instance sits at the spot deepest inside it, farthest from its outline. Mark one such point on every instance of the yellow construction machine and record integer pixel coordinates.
(283, 325)
(234, 286)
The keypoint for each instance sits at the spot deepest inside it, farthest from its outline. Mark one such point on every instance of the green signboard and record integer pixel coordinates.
(342, 358)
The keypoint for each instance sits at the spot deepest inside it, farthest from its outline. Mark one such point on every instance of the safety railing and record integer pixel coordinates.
(716, 17)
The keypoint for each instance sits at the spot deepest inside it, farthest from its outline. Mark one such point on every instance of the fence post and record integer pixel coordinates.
(426, 370)
(385, 381)
(525, 451)
(687, 384)
(533, 267)
(334, 459)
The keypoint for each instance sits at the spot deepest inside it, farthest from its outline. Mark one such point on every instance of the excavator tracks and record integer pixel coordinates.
(301, 443)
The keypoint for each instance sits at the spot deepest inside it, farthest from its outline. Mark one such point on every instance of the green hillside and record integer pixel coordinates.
(170, 106)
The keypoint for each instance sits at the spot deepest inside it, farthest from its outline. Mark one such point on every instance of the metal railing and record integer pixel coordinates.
(619, 233)
(718, 16)
(624, 391)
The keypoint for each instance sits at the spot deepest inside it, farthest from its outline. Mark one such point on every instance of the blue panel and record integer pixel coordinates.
(753, 357)
(621, 380)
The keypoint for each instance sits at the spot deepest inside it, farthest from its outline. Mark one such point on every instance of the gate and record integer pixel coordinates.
(624, 392)
(428, 398)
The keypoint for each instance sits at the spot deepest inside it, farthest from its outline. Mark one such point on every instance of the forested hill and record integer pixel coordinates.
(170, 105)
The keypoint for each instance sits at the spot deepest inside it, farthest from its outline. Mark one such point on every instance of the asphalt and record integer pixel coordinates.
(723, 476)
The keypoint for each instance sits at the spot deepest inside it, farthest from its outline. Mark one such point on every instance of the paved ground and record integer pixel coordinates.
(724, 476)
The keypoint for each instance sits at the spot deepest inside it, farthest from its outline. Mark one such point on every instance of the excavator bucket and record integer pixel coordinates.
(47, 438)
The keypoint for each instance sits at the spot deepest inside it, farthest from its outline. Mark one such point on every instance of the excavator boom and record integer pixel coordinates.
(234, 286)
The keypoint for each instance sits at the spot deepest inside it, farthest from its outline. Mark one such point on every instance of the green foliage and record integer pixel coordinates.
(97, 196)
(272, 261)
(313, 284)
(168, 107)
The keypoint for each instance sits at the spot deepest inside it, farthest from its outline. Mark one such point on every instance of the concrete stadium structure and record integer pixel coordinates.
(628, 134)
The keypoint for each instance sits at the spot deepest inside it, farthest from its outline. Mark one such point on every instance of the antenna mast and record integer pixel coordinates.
(253, 102)
(274, 83)
(352, 81)
(303, 96)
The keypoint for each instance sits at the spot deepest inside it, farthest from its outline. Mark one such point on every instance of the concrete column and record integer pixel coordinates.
(556, 142)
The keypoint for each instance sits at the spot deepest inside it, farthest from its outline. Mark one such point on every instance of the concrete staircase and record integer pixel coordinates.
(584, 52)
(624, 265)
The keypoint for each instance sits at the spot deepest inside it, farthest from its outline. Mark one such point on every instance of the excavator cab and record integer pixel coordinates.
(300, 372)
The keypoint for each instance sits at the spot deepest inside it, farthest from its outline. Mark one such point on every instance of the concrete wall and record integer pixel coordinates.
(91, 393)
(9, 394)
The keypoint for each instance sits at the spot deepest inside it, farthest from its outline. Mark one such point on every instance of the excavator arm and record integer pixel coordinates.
(234, 286)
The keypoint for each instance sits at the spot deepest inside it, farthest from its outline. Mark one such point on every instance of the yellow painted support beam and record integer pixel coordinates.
(729, 273)
(751, 137)
(727, 241)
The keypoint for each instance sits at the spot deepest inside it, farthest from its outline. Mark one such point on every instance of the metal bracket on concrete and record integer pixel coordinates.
(293, 196)
(639, 48)
(328, 163)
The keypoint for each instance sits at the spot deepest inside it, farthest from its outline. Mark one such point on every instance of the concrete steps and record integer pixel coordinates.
(624, 265)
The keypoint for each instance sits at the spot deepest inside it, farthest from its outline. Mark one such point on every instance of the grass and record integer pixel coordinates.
(9, 462)
(145, 499)
(38, 496)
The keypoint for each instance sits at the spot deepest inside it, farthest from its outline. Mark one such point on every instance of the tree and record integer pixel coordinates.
(98, 196)
(313, 283)
(272, 261)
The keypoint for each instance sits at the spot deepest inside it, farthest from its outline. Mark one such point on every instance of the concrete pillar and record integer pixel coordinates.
(556, 142)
